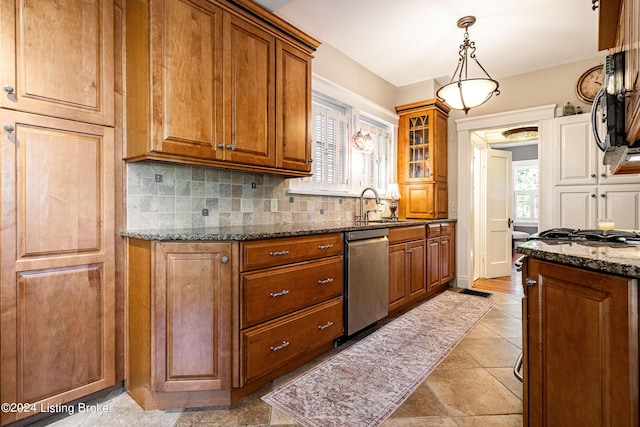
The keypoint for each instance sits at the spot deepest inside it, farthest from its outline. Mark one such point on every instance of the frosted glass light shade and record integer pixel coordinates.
(466, 94)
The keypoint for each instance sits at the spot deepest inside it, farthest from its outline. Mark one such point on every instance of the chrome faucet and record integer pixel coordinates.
(365, 216)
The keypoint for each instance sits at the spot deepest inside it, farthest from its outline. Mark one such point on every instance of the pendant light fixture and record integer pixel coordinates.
(465, 93)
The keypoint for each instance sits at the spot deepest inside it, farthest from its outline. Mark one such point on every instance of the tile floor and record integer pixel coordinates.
(473, 386)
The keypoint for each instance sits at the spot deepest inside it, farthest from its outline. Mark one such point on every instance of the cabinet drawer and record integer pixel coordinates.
(271, 253)
(434, 230)
(446, 228)
(267, 294)
(405, 234)
(274, 344)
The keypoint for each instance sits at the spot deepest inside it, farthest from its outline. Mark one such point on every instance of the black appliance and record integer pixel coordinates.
(596, 236)
(608, 116)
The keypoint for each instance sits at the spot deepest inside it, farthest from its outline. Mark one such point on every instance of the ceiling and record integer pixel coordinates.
(410, 41)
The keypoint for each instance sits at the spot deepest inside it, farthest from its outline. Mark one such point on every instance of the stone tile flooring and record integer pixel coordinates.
(473, 386)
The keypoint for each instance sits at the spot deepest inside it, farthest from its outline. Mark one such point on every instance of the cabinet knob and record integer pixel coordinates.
(8, 88)
(604, 175)
(220, 145)
(593, 175)
(9, 128)
(530, 282)
(229, 146)
(224, 259)
(603, 195)
(593, 195)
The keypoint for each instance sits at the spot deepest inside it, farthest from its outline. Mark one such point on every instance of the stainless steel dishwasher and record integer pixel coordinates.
(366, 278)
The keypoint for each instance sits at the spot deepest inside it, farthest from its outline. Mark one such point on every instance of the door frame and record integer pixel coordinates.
(466, 224)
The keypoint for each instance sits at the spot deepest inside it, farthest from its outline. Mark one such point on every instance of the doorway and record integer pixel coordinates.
(470, 227)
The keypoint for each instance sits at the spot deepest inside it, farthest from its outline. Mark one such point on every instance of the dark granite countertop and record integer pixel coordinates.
(614, 258)
(256, 232)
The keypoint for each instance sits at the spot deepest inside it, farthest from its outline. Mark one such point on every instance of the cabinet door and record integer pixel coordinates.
(621, 203)
(576, 151)
(186, 73)
(293, 126)
(57, 59)
(57, 285)
(192, 324)
(581, 360)
(447, 259)
(249, 93)
(433, 264)
(416, 260)
(397, 277)
(575, 206)
(439, 152)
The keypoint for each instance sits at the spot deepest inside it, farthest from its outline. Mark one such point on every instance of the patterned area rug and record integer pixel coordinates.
(365, 383)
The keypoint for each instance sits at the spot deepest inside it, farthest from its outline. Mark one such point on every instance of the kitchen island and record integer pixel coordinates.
(216, 313)
(580, 333)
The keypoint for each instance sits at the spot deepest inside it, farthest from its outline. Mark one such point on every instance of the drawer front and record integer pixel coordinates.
(433, 230)
(275, 252)
(274, 344)
(267, 294)
(405, 234)
(446, 228)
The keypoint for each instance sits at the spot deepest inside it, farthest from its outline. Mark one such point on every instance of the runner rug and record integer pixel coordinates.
(363, 384)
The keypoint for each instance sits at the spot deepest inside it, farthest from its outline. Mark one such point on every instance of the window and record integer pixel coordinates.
(338, 168)
(525, 191)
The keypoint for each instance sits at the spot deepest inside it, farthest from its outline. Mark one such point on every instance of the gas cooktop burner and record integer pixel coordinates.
(569, 234)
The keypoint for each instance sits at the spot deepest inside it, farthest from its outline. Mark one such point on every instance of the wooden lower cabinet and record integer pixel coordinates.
(291, 304)
(57, 284)
(440, 255)
(180, 323)
(407, 265)
(580, 347)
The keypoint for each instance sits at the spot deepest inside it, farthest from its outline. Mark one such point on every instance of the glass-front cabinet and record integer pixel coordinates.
(422, 159)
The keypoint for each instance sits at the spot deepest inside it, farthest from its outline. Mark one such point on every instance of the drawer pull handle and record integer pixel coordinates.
(280, 347)
(329, 246)
(325, 281)
(278, 294)
(325, 326)
(278, 253)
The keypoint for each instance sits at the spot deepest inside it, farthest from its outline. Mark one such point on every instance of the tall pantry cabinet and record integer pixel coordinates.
(57, 298)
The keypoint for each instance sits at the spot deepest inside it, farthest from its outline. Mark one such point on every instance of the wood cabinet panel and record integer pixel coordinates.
(398, 295)
(186, 74)
(267, 294)
(293, 123)
(249, 90)
(577, 375)
(273, 344)
(192, 313)
(440, 255)
(69, 75)
(416, 259)
(58, 267)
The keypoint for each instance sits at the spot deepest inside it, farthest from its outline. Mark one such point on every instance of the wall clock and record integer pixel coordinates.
(589, 83)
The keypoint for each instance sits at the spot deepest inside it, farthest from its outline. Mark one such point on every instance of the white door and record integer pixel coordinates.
(498, 207)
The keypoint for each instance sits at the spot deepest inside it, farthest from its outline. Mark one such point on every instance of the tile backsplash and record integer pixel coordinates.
(168, 196)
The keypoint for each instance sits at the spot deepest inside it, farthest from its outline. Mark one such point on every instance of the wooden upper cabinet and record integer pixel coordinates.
(69, 75)
(226, 89)
(422, 159)
(249, 81)
(293, 96)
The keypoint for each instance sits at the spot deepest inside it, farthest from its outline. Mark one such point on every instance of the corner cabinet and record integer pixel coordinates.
(580, 346)
(218, 83)
(180, 323)
(422, 160)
